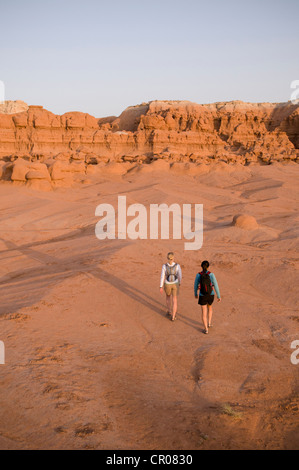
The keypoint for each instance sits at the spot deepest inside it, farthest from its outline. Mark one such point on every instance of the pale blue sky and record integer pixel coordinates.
(102, 56)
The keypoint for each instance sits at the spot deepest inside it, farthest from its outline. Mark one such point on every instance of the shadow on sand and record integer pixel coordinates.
(24, 287)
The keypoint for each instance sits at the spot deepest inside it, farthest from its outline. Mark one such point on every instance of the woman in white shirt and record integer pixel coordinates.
(171, 277)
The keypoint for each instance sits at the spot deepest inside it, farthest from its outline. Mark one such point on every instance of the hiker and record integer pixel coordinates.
(171, 277)
(206, 281)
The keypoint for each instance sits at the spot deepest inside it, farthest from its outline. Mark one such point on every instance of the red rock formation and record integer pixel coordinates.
(172, 130)
(11, 107)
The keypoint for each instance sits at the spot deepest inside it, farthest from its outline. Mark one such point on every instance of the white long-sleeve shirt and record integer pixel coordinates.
(163, 274)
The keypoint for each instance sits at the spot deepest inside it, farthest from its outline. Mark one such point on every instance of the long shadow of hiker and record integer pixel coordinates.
(138, 295)
(36, 280)
(130, 291)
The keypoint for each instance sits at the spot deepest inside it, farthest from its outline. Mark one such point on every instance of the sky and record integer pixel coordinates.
(100, 56)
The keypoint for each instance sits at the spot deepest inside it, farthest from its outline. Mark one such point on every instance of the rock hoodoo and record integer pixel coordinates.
(246, 222)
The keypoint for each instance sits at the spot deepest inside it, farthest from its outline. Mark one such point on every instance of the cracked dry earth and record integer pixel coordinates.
(92, 362)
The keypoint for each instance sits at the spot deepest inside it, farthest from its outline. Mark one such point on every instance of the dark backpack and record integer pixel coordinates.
(205, 283)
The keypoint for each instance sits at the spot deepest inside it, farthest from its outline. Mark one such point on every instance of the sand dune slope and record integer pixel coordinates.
(92, 362)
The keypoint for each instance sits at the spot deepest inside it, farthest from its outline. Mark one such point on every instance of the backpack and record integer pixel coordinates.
(205, 283)
(171, 273)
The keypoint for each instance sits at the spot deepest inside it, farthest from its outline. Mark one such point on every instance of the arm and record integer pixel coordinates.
(162, 278)
(179, 274)
(196, 283)
(215, 284)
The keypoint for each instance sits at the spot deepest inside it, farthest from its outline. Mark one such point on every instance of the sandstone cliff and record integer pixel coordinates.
(11, 107)
(170, 130)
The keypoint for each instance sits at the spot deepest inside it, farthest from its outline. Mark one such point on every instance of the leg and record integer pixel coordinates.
(204, 310)
(174, 305)
(210, 314)
(168, 303)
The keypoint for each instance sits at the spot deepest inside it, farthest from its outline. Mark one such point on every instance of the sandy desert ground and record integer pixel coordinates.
(92, 362)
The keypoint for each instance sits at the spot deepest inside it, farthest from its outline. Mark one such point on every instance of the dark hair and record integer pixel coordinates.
(205, 265)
